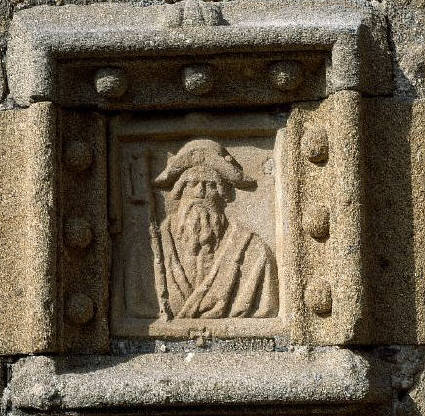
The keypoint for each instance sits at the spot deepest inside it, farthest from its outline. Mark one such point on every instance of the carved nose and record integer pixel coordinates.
(200, 190)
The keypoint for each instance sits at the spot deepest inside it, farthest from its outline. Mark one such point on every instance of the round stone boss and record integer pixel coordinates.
(111, 82)
(80, 308)
(198, 79)
(318, 296)
(316, 221)
(315, 145)
(77, 232)
(78, 156)
(286, 75)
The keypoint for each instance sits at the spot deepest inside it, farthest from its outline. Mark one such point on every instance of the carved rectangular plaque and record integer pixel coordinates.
(192, 206)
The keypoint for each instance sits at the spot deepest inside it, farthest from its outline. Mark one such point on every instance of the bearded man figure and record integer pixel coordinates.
(214, 269)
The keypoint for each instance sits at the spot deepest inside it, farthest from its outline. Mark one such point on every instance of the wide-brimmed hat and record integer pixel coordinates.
(208, 153)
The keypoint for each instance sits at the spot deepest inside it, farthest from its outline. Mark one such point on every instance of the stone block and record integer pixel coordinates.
(320, 226)
(288, 193)
(299, 277)
(209, 191)
(409, 53)
(298, 180)
(317, 257)
(337, 262)
(301, 381)
(395, 224)
(353, 174)
(28, 204)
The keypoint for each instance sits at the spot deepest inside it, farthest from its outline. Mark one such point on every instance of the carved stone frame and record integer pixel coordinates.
(50, 47)
(322, 258)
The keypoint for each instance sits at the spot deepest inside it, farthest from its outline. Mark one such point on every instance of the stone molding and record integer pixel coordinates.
(28, 236)
(52, 50)
(44, 384)
(357, 317)
(319, 159)
(83, 242)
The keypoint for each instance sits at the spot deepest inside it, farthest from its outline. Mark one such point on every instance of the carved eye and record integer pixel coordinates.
(212, 185)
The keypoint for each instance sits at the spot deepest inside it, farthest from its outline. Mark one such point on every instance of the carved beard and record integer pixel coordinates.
(200, 224)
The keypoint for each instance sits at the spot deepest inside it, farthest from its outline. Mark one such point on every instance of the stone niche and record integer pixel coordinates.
(204, 180)
(192, 208)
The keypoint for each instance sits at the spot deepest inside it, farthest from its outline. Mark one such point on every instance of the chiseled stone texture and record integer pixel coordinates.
(241, 149)
(378, 298)
(413, 402)
(54, 252)
(407, 378)
(27, 230)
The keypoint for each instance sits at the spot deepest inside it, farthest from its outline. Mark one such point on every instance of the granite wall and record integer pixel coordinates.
(212, 207)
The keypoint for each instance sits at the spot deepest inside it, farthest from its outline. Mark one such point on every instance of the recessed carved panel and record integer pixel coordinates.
(192, 211)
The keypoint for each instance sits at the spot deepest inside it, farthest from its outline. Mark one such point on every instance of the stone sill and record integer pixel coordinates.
(309, 378)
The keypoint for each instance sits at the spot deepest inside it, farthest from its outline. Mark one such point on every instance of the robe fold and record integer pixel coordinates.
(242, 281)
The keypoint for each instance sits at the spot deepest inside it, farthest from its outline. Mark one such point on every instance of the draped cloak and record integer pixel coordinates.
(242, 281)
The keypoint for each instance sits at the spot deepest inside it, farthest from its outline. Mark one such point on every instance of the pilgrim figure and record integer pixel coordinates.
(214, 268)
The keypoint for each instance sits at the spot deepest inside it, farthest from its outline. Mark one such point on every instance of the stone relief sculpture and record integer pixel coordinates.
(212, 268)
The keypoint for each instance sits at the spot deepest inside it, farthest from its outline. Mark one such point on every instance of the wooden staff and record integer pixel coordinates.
(156, 244)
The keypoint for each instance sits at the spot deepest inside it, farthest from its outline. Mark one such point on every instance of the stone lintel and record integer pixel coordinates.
(45, 39)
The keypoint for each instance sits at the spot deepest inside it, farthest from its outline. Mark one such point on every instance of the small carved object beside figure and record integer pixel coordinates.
(211, 267)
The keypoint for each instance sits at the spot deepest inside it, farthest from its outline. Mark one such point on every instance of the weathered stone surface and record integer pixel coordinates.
(179, 269)
(286, 140)
(28, 302)
(413, 402)
(395, 223)
(323, 40)
(84, 256)
(50, 215)
(407, 35)
(293, 378)
(319, 223)
(317, 240)
(407, 364)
